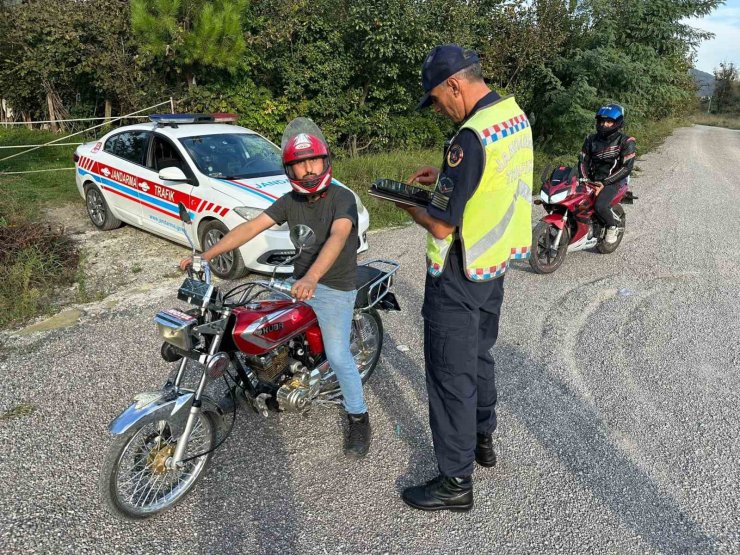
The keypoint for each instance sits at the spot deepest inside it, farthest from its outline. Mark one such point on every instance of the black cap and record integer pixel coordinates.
(442, 62)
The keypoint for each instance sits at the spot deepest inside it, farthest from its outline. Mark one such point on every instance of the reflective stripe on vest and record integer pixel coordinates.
(496, 222)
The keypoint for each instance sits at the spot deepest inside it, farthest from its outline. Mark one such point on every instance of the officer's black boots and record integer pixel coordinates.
(484, 453)
(441, 493)
(358, 437)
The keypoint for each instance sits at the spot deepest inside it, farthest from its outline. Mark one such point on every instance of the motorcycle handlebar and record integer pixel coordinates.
(282, 286)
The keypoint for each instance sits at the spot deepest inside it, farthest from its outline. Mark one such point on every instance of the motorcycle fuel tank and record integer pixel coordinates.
(260, 327)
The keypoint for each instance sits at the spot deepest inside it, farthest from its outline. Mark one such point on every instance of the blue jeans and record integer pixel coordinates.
(334, 309)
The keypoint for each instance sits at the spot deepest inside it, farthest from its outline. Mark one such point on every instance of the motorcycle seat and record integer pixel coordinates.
(366, 276)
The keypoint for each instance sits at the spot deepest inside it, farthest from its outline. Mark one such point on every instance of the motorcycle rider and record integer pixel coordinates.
(325, 273)
(607, 159)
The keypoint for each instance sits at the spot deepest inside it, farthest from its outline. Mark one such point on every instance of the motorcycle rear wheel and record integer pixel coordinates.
(366, 352)
(603, 246)
(135, 483)
(544, 259)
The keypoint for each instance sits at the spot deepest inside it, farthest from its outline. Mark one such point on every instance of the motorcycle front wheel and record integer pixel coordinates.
(135, 482)
(544, 258)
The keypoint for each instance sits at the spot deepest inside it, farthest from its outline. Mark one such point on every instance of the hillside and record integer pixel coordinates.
(705, 82)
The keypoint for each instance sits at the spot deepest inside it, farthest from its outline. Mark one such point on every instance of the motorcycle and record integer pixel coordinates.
(571, 223)
(268, 349)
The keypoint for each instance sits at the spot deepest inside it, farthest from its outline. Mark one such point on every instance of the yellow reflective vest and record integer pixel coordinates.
(496, 224)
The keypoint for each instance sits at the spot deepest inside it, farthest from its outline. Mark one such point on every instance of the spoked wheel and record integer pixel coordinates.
(366, 342)
(137, 483)
(545, 258)
(607, 248)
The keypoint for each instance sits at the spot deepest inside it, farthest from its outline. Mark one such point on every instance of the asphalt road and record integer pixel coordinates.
(618, 415)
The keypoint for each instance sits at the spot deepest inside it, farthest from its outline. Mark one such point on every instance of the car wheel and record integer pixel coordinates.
(229, 265)
(98, 210)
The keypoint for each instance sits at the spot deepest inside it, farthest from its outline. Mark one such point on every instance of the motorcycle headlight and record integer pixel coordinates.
(554, 199)
(175, 327)
(248, 212)
(544, 197)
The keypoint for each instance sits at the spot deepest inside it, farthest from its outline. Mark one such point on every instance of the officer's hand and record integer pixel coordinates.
(426, 176)
(598, 186)
(185, 262)
(304, 288)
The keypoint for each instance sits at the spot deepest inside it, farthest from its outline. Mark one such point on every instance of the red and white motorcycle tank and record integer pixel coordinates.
(262, 326)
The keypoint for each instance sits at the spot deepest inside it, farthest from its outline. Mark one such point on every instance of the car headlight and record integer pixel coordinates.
(248, 212)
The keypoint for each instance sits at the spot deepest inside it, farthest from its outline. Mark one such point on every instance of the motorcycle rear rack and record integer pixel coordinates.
(379, 282)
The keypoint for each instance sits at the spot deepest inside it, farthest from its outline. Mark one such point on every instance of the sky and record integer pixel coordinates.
(724, 22)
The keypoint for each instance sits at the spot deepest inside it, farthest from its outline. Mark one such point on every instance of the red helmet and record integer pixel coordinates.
(305, 146)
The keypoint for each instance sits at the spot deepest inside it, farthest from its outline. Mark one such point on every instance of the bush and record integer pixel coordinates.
(34, 260)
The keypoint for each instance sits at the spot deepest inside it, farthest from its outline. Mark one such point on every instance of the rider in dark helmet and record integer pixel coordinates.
(607, 159)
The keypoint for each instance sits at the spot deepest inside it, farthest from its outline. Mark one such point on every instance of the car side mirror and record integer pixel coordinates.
(184, 215)
(173, 173)
(302, 236)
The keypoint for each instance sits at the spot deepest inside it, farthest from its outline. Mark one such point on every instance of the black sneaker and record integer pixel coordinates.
(441, 493)
(358, 437)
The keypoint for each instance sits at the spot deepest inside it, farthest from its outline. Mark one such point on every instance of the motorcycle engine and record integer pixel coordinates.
(271, 365)
(296, 393)
(298, 384)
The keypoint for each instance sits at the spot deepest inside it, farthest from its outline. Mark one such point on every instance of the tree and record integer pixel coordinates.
(192, 36)
(71, 56)
(636, 52)
(725, 82)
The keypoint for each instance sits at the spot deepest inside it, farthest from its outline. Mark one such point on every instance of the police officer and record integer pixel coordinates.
(479, 217)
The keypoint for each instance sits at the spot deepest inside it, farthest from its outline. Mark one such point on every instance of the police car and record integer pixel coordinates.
(224, 174)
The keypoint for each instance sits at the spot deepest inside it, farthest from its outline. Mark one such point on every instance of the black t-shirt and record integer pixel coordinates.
(336, 204)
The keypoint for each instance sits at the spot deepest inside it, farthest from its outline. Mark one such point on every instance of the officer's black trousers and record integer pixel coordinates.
(460, 328)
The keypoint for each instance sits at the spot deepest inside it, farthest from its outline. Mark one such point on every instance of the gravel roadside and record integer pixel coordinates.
(618, 415)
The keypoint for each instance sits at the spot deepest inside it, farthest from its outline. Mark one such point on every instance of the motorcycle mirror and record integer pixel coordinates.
(184, 216)
(302, 236)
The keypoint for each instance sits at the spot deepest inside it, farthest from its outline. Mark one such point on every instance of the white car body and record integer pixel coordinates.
(136, 195)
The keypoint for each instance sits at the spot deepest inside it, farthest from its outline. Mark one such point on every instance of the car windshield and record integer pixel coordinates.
(234, 156)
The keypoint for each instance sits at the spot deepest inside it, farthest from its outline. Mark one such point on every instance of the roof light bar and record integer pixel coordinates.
(177, 119)
(223, 117)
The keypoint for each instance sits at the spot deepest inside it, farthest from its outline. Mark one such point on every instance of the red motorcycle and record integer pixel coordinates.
(268, 349)
(571, 223)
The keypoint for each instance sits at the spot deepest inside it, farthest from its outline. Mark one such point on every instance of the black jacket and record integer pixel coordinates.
(608, 160)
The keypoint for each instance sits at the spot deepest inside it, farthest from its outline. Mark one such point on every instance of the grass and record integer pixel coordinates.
(33, 190)
(35, 259)
(359, 173)
(730, 121)
(18, 411)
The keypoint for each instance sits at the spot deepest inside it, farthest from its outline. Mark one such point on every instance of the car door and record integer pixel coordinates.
(160, 199)
(118, 170)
